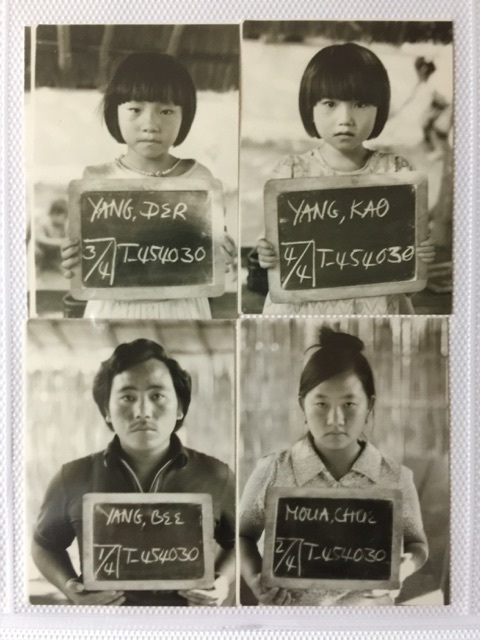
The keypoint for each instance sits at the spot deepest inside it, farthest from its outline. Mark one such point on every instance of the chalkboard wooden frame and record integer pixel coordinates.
(202, 499)
(275, 188)
(216, 206)
(275, 493)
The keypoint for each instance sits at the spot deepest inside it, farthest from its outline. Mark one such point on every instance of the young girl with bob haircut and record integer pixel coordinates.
(337, 395)
(344, 100)
(149, 105)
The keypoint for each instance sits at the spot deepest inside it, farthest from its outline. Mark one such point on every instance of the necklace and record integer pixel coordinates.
(151, 174)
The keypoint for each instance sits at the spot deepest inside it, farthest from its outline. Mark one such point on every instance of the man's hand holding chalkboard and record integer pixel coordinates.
(76, 592)
(213, 597)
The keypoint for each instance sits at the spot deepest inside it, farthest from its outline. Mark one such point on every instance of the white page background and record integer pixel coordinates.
(460, 619)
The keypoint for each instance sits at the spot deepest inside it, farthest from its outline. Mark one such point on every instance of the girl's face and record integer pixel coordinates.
(149, 128)
(344, 124)
(336, 412)
(143, 408)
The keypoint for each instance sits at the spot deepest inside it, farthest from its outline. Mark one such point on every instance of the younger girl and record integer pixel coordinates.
(344, 100)
(336, 394)
(149, 105)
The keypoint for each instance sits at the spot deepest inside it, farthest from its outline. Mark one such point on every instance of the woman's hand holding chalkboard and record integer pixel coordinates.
(208, 597)
(229, 250)
(266, 595)
(426, 251)
(70, 251)
(267, 257)
(76, 592)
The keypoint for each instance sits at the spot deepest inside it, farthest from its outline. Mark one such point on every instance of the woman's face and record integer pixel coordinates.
(143, 407)
(336, 411)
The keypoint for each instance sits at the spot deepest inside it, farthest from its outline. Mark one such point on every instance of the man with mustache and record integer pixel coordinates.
(143, 396)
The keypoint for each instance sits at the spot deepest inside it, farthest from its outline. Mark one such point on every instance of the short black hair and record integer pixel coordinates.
(344, 72)
(150, 77)
(337, 353)
(128, 355)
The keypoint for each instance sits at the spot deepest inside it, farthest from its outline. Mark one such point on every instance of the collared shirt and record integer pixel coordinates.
(185, 471)
(301, 466)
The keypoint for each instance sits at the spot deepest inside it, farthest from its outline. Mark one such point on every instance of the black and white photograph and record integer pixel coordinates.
(346, 167)
(129, 459)
(344, 462)
(154, 106)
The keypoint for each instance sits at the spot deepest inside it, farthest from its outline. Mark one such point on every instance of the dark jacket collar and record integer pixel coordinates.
(177, 453)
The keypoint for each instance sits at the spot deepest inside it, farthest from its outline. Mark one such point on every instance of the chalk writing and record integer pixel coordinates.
(125, 209)
(115, 515)
(332, 239)
(305, 263)
(148, 540)
(140, 243)
(331, 536)
(306, 212)
(346, 514)
(291, 554)
(110, 558)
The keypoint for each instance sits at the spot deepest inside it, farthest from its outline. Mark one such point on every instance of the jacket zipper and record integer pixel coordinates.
(136, 480)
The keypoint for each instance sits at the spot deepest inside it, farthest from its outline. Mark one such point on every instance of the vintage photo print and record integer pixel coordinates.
(346, 167)
(129, 459)
(344, 461)
(143, 120)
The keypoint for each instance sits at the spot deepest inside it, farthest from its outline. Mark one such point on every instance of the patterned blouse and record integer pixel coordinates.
(301, 466)
(312, 165)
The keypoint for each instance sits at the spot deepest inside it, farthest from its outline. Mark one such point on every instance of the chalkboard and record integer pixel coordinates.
(147, 239)
(346, 236)
(333, 538)
(139, 541)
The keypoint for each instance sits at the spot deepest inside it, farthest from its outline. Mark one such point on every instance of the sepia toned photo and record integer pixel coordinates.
(129, 459)
(346, 167)
(344, 462)
(132, 170)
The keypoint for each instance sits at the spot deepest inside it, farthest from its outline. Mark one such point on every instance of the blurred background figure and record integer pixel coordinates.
(50, 231)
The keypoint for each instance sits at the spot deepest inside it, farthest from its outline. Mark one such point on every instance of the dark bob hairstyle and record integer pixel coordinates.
(130, 354)
(150, 77)
(337, 353)
(344, 72)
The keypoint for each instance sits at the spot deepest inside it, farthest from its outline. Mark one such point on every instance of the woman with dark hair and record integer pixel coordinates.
(144, 396)
(337, 396)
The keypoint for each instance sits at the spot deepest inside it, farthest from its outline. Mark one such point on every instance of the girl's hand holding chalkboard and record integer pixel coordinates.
(70, 251)
(267, 257)
(208, 597)
(76, 592)
(407, 567)
(266, 595)
(426, 251)
(229, 250)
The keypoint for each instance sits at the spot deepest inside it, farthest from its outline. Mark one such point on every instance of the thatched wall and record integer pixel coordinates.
(409, 358)
(83, 56)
